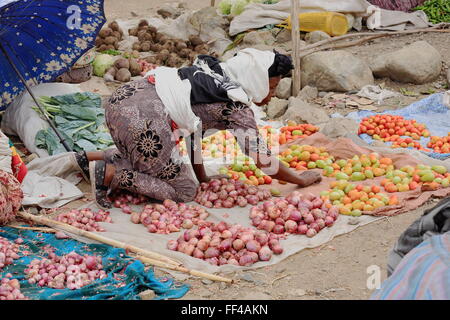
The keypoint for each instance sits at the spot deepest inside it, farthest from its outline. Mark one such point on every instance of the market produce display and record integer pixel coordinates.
(390, 128)
(440, 144)
(296, 131)
(80, 119)
(85, 219)
(360, 168)
(228, 193)
(11, 197)
(351, 199)
(108, 38)
(168, 217)
(10, 289)
(295, 214)
(221, 244)
(437, 10)
(244, 170)
(304, 157)
(429, 178)
(9, 251)
(169, 52)
(71, 271)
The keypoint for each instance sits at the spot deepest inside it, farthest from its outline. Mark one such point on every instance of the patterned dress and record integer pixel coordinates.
(146, 156)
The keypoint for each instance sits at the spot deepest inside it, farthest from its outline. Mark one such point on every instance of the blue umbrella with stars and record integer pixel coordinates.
(40, 40)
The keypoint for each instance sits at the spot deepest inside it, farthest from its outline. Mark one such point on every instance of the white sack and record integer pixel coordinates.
(5, 154)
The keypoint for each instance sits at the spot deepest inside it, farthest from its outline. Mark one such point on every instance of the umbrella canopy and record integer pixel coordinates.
(43, 39)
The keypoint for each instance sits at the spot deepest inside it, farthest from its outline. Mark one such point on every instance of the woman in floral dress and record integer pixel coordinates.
(146, 160)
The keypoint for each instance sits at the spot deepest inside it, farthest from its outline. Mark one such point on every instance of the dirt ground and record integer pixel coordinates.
(337, 270)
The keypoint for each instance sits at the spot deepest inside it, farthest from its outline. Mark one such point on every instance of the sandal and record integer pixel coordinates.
(97, 171)
(81, 161)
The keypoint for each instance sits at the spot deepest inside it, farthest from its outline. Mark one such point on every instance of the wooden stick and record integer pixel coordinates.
(45, 230)
(195, 273)
(363, 34)
(213, 3)
(358, 42)
(93, 236)
(297, 76)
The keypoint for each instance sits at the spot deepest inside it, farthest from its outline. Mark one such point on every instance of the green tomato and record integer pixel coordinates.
(341, 163)
(312, 165)
(320, 164)
(342, 176)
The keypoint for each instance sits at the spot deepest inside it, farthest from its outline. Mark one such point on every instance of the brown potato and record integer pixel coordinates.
(122, 63)
(201, 48)
(114, 26)
(103, 47)
(145, 46)
(116, 45)
(98, 42)
(135, 67)
(163, 40)
(110, 40)
(148, 37)
(156, 47)
(133, 32)
(151, 59)
(185, 53)
(136, 46)
(143, 23)
(123, 75)
(110, 47)
(117, 35)
(105, 32)
(141, 35)
(195, 40)
(152, 29)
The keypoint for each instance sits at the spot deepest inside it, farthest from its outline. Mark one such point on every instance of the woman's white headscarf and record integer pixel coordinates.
(250, 68)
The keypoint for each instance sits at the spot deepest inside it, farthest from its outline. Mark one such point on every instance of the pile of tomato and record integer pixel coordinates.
(440, 144)
(293, 132)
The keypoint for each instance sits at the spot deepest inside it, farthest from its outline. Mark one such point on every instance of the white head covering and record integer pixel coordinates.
(250, 68)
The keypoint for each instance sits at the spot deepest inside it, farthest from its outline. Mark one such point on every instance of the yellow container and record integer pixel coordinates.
(335, 24)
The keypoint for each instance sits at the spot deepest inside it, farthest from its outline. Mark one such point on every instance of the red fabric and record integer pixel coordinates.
(19, 168)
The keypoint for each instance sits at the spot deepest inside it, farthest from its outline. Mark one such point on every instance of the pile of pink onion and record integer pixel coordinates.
(227, 244)
(85, 219)
(9, 251)
(72, 271)
(10, 289)
(295, 214)
(169, 217)
(124, 200)
(225, 193)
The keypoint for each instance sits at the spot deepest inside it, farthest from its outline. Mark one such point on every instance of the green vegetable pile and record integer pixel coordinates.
(236, 7)
(437, 10)
(79, 117)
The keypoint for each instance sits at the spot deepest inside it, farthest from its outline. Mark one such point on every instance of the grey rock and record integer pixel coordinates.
(297, 292)
(259, 37)
(353, 221)
(335, 71)
(147, 295)
(284, 36)
(257, 296)
(417, 63)
(316, 36)
(448, 77)
(284, 88)
(322, 94)
(277, 108)
(308, 93)
(339, 127)
(207, 282)
(302, 112)
(168, 11)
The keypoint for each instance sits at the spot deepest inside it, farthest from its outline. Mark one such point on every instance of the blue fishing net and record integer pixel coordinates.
(127, 277)
(430, 111)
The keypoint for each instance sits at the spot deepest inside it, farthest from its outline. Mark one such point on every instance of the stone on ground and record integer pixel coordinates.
(316, 36)
(417, 63)
(308, 93)
(258, 38)
(284, 88)
(277, 108)
(302, 112)
(339, 127)
(284, 36)
(335, 71)
(168, 11)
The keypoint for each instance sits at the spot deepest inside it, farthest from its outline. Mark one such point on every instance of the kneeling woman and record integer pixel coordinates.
(144, 161)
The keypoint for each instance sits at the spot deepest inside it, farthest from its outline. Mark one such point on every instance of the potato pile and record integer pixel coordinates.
(124, 69)
(108, 38)
(169, 52)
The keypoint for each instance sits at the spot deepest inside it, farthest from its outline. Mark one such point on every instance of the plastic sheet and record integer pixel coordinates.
(126, 276)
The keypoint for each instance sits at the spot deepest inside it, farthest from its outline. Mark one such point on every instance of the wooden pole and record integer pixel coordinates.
(213, 3)
(97, 237)
(297, 77)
